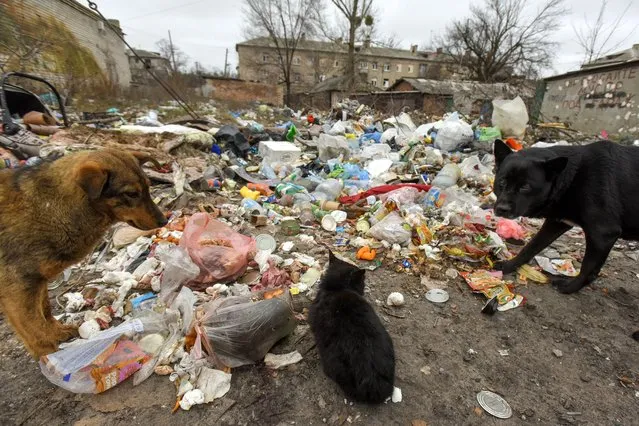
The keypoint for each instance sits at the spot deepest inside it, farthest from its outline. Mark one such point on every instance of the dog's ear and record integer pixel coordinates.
(144, 158)
(555, 166)
(92, 178)
(501, 151)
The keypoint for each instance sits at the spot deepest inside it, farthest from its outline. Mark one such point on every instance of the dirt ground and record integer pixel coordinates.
(595, 381)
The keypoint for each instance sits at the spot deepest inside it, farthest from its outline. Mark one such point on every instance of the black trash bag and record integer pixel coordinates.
(234, 139)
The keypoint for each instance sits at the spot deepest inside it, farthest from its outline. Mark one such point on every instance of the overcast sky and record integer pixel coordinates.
(205, 28)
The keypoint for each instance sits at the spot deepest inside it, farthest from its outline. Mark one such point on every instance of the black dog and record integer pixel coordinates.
(594, 186)
(354, 347)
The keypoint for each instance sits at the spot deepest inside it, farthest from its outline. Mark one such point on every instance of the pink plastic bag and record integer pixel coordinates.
(221, 253)
(507, 228)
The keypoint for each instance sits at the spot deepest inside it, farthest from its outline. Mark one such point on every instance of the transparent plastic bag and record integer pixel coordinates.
(237, 331)
(221, 253)
(511, 117)
(179, 269)
(392, 228)
(100, 363)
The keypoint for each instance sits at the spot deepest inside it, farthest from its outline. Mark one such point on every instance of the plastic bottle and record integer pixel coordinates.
(328, 190)
(307, 218)
(302, 198)
(447, 176)
(252, 206)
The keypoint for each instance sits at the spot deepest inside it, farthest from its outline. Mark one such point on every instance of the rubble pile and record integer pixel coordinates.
(253, 208)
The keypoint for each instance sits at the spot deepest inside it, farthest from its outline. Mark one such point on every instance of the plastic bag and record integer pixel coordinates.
(453, 134)
(332, 147)
(489, 134)
(378, 167)
(392, 228)
(473, 169)
(179, 269)
(339, 128)
(403, 122)
(221, 253)
(507, 228)
(100, 363)
(237, 331)
(403, 196)
(511, 117)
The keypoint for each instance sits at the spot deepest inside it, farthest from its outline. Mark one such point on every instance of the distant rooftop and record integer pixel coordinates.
(331, 47)
(144, 53)
(621, 57)
(450, 87)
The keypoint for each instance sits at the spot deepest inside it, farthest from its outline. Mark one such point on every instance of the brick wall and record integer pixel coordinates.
(107, 49)
(228, 89)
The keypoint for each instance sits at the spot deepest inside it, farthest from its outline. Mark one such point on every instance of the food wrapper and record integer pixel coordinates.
(116, 364)
(491, 284)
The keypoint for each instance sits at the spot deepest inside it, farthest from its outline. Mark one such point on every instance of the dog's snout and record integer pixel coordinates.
(503, 210)
(162, 220)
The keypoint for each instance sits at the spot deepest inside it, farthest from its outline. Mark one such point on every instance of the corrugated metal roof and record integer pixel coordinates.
(450, 87)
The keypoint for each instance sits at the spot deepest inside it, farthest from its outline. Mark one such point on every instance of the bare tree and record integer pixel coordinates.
(502, 37)
(356, 13)
(595, 39)
(284, 23)
(176, 57)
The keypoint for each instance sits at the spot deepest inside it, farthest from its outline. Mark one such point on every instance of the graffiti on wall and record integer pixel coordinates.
(598, 91)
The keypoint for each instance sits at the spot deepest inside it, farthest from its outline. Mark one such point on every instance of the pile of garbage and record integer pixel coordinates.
(253, 210)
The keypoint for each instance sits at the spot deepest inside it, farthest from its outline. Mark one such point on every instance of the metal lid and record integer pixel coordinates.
(437, 295)
(265, 242)
(494, 404)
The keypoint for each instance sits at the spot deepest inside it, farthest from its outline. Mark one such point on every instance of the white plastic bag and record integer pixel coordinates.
(332, 147)
(392, 228)
(453, 134)
(511, 117)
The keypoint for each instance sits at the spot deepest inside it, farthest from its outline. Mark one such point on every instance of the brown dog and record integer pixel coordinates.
(52, 216)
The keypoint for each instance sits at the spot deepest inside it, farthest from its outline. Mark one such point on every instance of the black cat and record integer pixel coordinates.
(355, 349)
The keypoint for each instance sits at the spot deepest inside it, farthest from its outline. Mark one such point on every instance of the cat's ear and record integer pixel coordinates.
(358, 280)
(331, 257)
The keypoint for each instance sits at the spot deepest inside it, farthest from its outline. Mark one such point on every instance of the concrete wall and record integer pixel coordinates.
(596, 100)
(107, 49)
(228, 89)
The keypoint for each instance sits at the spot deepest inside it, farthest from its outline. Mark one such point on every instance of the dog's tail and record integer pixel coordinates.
(635, 335)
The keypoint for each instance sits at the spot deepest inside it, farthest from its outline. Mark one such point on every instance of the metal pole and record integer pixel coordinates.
(175, 70)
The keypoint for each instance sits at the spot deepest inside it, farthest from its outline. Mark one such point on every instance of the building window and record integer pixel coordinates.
(297, 61)
(422, 70)
(398, 67)
(386, 67)
(374, 65)
(265, 58)
(363, 65)
(336, 64)
(297, 77)
(386, 84)
(374, 82)
(322, 77)
(410, 69)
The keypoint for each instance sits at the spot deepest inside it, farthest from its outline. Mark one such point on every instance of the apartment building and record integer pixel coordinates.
(316, 61)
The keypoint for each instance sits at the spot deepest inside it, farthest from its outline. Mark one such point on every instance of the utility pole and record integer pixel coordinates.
(226, 62)
(172, 54)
